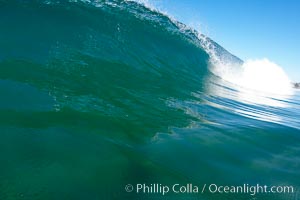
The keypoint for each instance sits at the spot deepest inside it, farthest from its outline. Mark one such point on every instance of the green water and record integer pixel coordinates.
(95, 96)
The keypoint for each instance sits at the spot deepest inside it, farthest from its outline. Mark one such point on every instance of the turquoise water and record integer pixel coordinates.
(95, 96)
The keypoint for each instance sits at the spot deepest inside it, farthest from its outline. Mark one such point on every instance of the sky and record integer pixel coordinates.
(249, 29)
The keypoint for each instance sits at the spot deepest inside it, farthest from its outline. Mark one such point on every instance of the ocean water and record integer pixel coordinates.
(96, 95)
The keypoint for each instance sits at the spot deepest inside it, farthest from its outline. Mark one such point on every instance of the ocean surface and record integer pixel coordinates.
(95, 95)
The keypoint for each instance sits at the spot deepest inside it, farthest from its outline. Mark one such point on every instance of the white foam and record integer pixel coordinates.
(266, 76)
(260, 75)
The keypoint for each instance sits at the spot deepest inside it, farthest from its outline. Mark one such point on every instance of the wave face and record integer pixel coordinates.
(96, 95)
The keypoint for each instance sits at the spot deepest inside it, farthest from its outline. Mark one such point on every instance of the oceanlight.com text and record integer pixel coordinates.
(189, 188)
